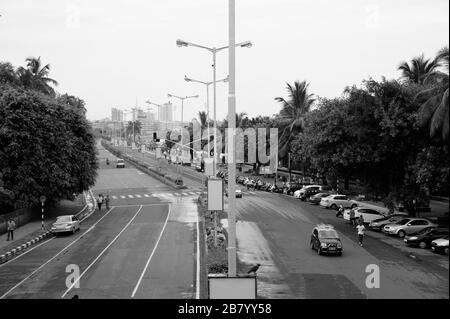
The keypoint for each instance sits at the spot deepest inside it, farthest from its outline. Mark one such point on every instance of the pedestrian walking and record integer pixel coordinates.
(352, 217)
(107, 201)
(360, 229)
(100, 202)
(11, 228)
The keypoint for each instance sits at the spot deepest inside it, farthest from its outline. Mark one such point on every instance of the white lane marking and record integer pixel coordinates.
(146, 195)
(48, 261)
(156, 204)
(151, 255)
(176, 194)
(122, 196)
(197, 281)
(114, 197)
(103, 251)
(130, 196)
(191, 193)
(138, 196)
(26, 252)
(185, 194)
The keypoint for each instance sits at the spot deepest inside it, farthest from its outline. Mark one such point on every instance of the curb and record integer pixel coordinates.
(8, 255)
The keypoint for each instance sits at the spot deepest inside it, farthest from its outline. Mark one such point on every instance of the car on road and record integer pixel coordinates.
(291, 187)
(120, 163)
(238, 192)
(65, 224)
(407, 226)
(307, 191)
(336, 200)
(440, 245)
(315, 199)
(424, 238)
(368, 214)
(378, 224)
(325, 239)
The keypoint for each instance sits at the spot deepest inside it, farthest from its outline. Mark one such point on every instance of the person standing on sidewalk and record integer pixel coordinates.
(11, 228)
(100, 202)
(360, 229)
(107, 201)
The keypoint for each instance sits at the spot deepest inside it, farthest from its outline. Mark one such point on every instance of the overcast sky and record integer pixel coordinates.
(108, 52)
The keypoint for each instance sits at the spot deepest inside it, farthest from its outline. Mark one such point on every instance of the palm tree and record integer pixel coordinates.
(433, 113)
(419, 69)
(8, 74)
(292, 114)
(35, 76)
(203, 117)
(137, 128)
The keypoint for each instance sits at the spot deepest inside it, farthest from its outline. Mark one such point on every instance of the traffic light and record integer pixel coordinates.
(155, 137)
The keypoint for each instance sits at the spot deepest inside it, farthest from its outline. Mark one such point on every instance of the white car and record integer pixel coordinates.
(301, 192)
(368, 214)
(120, 163)
(407, 226)
(65, 224)
(334, 201)
(440, 245)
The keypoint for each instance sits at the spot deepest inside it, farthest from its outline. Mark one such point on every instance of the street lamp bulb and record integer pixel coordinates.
(169, 95)
(181, 43)
(187, 79)
(227, 79)
(246, 44)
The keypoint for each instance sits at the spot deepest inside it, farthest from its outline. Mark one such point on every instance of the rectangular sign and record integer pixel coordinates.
(209, 166)
(158, 152)
(222, 287)
(215, 194)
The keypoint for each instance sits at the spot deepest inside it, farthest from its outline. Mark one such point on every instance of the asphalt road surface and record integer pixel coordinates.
(143, 247)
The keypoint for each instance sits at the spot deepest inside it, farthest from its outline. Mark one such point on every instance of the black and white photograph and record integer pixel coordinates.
(224, 155)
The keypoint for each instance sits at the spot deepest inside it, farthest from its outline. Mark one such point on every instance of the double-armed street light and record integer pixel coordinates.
(214, 50)
(159, 107)
(207, 84)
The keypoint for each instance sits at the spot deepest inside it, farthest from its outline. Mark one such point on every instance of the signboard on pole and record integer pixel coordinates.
(42, 199)
(215, 194)
(209, 166)
(224, 287)
(158, 152)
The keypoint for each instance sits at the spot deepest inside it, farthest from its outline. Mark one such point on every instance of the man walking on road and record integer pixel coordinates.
(360, 229)
(10, 229)
(107, 201)
(100, 202)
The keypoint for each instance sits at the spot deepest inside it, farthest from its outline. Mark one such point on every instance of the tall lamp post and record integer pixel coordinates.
(207, 84)
(214, 50)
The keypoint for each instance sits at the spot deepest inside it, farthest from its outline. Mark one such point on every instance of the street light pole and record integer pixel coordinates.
(231, 143)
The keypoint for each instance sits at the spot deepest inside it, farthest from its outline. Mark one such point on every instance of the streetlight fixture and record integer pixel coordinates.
(214, 50)
(158, 105)
(207, 84)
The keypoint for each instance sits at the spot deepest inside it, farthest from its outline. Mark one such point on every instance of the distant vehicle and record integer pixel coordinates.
(238, 192)
(368, 214)
(325, 239)
(315, 199)
(65, 224)
(291, 187)
(378, 224)
(424, 238)
(407, 226)
(120, 163)
(336, 200)
(307, 191)
(440, 245)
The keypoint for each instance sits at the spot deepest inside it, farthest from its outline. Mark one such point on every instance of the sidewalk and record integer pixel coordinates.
(32, 229)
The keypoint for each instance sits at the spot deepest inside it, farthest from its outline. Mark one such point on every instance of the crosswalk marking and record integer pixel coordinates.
(138, 196)
(165, 195)
(177, 194)
(114, 197)
(185, 194)
(146, 195)
(121, 196)
(130, 196)
(191, 193)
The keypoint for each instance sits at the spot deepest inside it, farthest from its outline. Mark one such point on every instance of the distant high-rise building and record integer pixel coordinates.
(116, 115)
(166, 112)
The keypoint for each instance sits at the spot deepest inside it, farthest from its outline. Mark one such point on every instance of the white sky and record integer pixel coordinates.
(110, 52)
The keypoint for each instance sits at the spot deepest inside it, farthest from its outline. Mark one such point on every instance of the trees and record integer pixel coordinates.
(292, 114)
(45, 148)
(433, 113)
(136, 131)
(35, 76)
(419, 69)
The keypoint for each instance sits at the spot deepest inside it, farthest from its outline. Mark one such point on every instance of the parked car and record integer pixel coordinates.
(440, 245)
(407, 226)
(424, 238)
(368, 214)
(315, 199)
(378, 224)
(120, 163)
(336, 200)
(265, 186)
(238, 192)
(251, 183)
(290, 188)
(240, 179)
(65, 224)
(325, 239)
(307, 191)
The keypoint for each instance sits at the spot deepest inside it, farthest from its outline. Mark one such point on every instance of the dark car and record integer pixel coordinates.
(325, 239)
(292, 187)
(424, 238)
(379, 223)
(315, 199)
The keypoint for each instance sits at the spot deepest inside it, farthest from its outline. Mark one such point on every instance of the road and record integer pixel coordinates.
(143, 247)
(274, 230)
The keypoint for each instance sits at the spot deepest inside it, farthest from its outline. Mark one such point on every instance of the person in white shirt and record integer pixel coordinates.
(360, 229)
